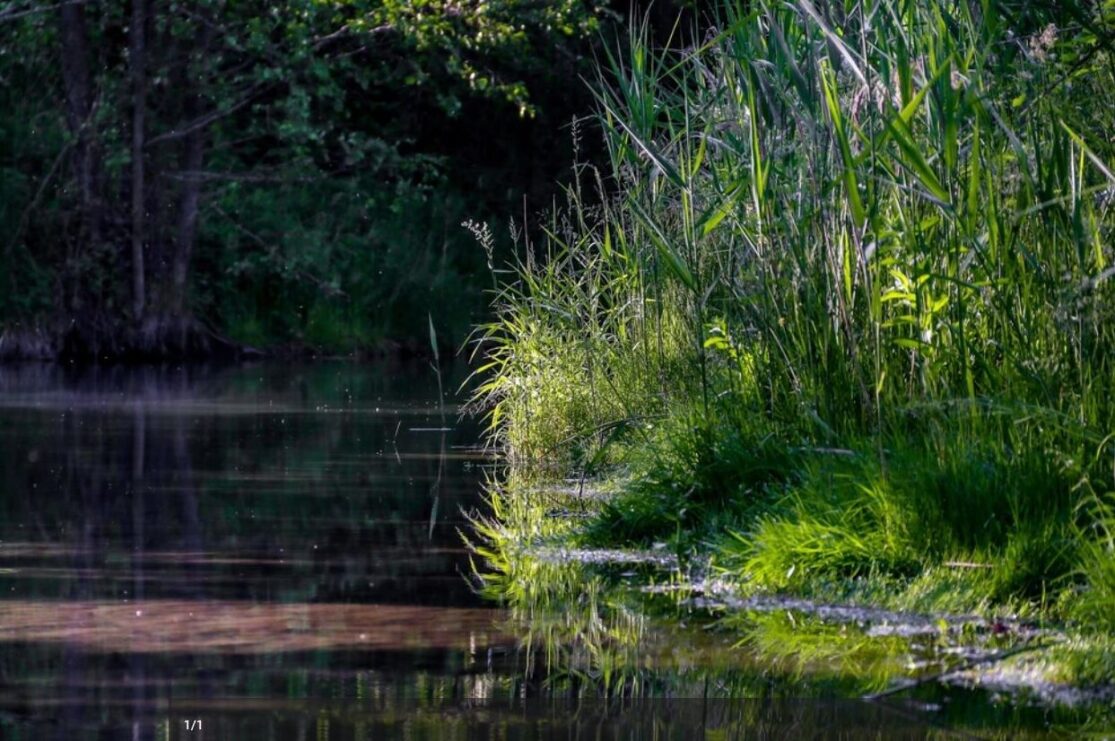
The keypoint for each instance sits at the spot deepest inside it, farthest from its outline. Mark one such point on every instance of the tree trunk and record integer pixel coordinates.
(193, 156)
(78, 85)
(137, 58)
(187, 221)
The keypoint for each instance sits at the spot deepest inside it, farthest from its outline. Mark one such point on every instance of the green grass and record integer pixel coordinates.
(686, 473)
(952, 497)
(1096, 606)
(842, 307)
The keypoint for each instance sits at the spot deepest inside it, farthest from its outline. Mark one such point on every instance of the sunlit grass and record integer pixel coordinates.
(842, 309)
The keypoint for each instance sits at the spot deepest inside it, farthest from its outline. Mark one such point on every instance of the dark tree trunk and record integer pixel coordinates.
(187, 221)
(137, 60)
(78, 85)
(193, 156)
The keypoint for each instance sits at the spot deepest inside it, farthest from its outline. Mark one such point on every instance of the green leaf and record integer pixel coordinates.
(908, 111)
(851, 183)
(433, 338)
(648, 148)
(712, 217)
(670, 257)
(1089, 153)
(902, 136)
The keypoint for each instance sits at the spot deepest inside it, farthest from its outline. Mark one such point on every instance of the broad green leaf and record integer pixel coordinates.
(713, 216)
(911, 344)
(851, 183)
(911, 108)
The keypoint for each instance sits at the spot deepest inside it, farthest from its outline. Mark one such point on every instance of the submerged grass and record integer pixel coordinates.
(841, 311)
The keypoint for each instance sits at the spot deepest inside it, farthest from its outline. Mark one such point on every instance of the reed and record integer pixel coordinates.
(879, 230)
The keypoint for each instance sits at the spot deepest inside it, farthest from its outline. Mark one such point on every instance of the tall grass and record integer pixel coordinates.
(883, 225)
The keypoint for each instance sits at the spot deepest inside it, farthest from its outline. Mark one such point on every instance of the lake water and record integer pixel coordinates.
(275, 551)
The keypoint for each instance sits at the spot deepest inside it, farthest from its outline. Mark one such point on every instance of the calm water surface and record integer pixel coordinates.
(179, 539)
(274, 551)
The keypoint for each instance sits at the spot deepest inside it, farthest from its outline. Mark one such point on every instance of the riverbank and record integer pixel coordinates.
(839, 326)
(168, 339)
(632, 622)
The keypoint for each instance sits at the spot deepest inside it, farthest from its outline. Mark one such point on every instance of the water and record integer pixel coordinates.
(239, 538)
(275, 551)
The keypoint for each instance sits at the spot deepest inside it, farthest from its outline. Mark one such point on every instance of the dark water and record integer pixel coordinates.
(274, 551)
(239, 541)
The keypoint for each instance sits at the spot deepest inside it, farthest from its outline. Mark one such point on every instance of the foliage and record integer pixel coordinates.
(557, 381)
(1097, 565)
(339, 144)
(1005, 516)
(695, 476)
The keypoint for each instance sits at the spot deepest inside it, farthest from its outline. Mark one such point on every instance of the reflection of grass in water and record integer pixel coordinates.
(596, 634)
(839, 657)
(582, 633)
(592, 640)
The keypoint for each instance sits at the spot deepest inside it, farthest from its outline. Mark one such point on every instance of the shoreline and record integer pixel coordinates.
(125, 346)
(535, 561)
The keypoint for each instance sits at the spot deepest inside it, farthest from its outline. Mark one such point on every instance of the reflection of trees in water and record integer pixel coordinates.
(200, 485)
(125, 480)
(133, 486)
(82, 468)
(186, 459)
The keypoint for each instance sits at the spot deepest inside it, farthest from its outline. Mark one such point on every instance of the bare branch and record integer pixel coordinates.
(25, 217)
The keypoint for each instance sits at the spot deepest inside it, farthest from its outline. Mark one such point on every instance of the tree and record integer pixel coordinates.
(171, 105)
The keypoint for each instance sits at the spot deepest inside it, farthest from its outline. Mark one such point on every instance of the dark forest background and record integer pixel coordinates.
(179, 178)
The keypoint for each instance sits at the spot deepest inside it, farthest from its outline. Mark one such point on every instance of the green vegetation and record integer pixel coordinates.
(613, 627)
(840, 312)
(291, 172)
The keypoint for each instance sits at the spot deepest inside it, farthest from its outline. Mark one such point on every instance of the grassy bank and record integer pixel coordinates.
(629, 623)
(841, 313)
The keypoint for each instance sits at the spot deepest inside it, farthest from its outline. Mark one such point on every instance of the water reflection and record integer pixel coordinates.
(109, 474)
(636, 628)
(268, 531)
(208, 626)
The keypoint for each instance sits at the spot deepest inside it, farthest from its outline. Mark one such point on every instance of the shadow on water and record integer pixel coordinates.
(275, 551)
